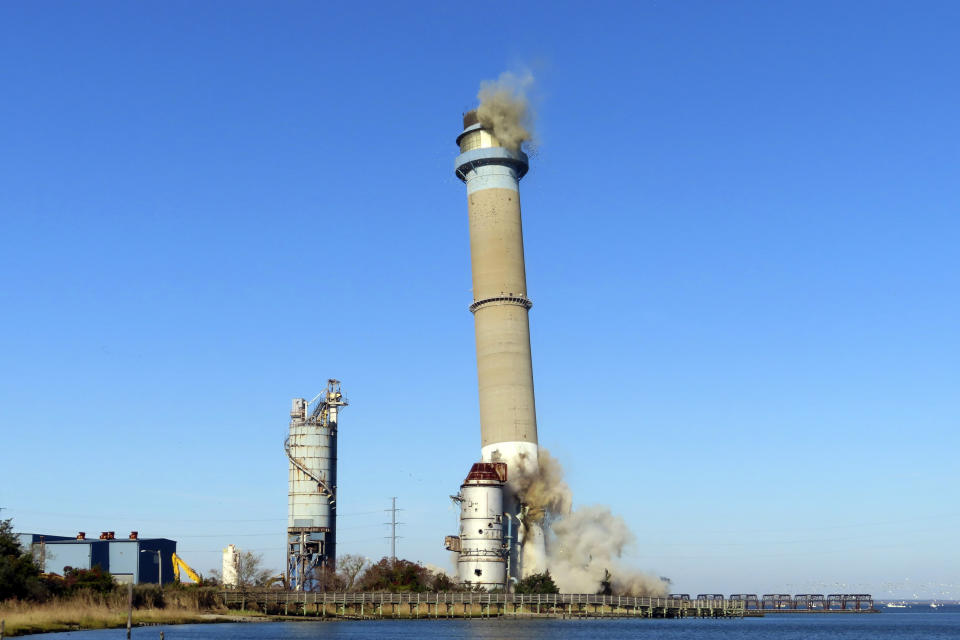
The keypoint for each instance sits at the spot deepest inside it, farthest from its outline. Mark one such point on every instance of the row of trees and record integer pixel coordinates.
(356, 573)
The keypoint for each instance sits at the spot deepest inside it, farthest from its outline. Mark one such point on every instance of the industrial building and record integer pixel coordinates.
(131, 559)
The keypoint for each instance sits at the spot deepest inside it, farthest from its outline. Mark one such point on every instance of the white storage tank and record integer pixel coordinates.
(231, 561)
(483, 552)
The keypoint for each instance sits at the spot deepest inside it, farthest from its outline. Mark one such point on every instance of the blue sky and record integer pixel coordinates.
(741, 228)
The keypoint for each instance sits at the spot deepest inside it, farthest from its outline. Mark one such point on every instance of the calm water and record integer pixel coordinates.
(889, 625)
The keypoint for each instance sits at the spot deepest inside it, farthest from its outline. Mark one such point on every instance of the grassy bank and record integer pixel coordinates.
(23, 619)
(99, 611)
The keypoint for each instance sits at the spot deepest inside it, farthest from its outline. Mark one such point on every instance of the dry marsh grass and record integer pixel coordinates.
(94, 611)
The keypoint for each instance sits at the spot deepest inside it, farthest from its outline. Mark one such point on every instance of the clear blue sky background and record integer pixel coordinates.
(742, 243)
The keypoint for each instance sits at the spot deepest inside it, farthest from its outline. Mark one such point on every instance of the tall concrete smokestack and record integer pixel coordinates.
(508, 420)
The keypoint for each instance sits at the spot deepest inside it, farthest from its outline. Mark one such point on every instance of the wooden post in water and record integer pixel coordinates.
(129, 607)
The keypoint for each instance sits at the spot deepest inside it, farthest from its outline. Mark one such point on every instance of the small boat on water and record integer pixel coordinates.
(935, 605)
(897, 605)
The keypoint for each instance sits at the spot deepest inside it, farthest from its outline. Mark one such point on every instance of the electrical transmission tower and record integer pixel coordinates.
(393, 529)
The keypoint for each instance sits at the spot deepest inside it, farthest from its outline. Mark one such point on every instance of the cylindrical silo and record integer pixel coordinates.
(231, 561)
(483, 556)
(508, 420)
(311, 450)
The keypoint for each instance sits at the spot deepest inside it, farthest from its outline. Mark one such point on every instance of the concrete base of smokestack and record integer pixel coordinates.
(528, 554)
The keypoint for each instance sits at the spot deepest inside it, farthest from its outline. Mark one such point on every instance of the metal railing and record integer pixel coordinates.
(433, 598)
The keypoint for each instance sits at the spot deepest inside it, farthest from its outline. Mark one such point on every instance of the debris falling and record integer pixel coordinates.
(542, 488)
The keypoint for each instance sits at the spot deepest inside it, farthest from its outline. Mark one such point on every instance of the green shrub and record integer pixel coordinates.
(19, 575)
(96, 580)
(537, 583)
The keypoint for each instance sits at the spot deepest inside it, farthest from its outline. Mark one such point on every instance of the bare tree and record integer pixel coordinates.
(250, 570)
(350, 566)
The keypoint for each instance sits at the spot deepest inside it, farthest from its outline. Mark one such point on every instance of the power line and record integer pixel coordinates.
(749, 555)
(249, 535)
(143, 519)
(340, 543)
(222, 535)
(940, 516)
(181, 551)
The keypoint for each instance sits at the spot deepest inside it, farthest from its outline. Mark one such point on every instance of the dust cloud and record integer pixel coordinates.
(541, 488)
(505, 108)
(582, 544)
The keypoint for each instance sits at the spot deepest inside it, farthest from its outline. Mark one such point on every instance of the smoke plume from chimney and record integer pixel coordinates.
(505, 109)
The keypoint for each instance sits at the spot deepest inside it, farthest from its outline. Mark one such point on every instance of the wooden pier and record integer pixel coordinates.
(503, 605)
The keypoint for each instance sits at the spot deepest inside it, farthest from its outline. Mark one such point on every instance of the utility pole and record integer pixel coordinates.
(393, 529)
(509, 541)
(129, 607)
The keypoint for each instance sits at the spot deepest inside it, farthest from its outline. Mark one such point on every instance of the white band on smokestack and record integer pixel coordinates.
(515, 454)
(492, 177)
(491, 168)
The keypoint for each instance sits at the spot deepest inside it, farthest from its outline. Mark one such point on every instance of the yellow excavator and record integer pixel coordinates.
(179, 564)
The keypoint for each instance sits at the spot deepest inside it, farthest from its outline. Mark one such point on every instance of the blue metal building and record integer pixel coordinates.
(133, 559)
